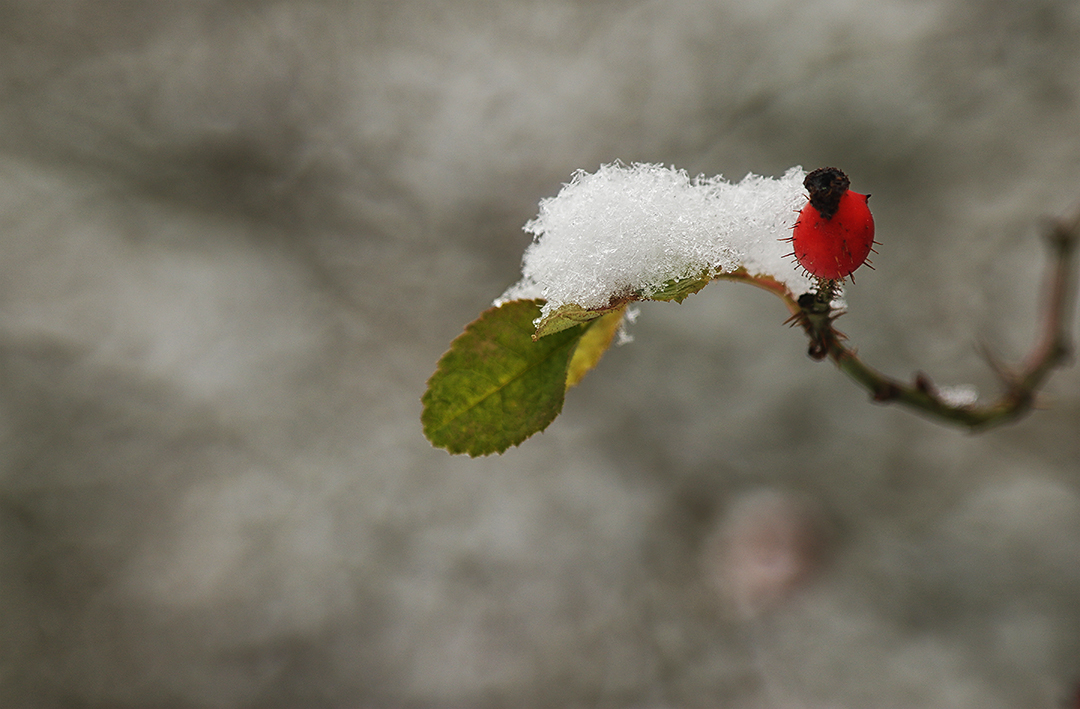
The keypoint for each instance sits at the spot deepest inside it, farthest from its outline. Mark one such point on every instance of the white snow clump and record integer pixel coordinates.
(959, 395)
(626, 229)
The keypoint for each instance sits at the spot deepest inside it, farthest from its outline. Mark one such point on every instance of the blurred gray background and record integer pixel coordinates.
(237, 236)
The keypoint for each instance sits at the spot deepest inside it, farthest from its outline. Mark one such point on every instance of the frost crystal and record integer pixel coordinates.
(630, 229)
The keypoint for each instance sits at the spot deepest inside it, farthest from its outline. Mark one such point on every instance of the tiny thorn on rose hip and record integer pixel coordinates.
(834, 233)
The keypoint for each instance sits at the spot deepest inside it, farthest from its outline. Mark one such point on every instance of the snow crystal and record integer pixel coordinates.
(622, 335)
(627, 229)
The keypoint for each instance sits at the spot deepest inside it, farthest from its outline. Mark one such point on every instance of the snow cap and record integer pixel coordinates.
(630, 229)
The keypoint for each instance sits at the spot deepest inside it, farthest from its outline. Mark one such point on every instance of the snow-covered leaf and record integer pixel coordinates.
(649, 232)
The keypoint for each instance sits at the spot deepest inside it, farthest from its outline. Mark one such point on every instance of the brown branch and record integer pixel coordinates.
(814, 313)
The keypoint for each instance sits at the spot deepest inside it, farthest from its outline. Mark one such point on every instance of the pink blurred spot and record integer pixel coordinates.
(768, 545)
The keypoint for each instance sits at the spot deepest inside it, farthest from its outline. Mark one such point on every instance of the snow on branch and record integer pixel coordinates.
(629, 230)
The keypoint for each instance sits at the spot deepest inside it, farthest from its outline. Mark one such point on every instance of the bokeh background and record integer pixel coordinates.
(237, 236)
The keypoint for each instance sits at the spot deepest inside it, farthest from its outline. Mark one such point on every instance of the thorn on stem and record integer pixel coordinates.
(885, 392)
(1003, 372)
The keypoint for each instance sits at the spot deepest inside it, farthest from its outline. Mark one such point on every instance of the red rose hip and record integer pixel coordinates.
(835, 230)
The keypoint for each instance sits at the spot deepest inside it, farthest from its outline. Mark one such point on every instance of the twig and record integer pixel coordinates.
(814, 313)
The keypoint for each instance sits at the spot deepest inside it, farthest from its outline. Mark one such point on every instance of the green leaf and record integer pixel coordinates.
(496, 386)
(594, 343)
(678, 289)
(569, 315)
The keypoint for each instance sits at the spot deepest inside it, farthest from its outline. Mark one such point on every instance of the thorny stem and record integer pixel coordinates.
(813, 312)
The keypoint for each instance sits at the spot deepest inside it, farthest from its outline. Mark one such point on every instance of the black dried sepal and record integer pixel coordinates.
(826, 186)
